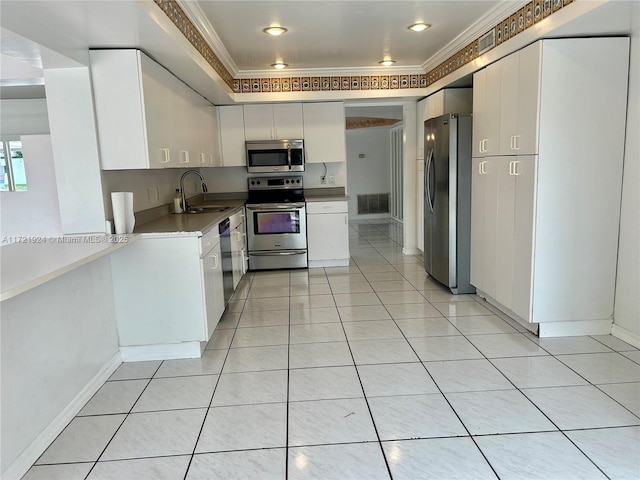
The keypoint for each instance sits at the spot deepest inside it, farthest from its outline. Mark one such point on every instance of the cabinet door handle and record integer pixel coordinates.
(215, 261)
(482, 167)
(202, 158)
(165, 156)
(184, 156)
(515, 167)
(516, 143)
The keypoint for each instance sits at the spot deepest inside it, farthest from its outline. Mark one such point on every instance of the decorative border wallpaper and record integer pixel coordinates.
(524, 18)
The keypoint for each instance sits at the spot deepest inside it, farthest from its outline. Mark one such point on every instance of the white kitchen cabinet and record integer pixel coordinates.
(545, 227)
(328, 233)
(280, 121)
(486, 111)
(208, 153)
(231, 124)
(213, 285)
(324, 132)
(145, 116)
(519, 96)
(238, 246)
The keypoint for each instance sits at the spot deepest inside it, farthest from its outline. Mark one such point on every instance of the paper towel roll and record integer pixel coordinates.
(123, 217)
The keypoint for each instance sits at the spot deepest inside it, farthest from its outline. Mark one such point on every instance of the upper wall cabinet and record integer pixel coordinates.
(281, 121)
(148, 118)
(486, 111)
(324, 132)
(232, 136)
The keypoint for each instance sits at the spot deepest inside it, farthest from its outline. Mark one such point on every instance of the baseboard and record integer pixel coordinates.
(574, 328)
(625, 335)
(140, 353)
(30, 454)
(342, 262)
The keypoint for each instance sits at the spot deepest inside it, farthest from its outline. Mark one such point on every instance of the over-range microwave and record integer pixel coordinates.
(264, 156)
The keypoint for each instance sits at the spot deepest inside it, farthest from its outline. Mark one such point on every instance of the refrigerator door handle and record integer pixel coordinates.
(428, 180)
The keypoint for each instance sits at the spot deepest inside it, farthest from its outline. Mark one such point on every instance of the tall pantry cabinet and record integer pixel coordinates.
(547, 176)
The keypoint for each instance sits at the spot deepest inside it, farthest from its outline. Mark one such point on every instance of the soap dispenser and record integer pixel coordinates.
(177, 202)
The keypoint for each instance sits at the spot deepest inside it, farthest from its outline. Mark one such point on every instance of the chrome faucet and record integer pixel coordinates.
(185, 206)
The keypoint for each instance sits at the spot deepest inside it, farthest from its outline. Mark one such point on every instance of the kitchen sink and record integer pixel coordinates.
(208, 209)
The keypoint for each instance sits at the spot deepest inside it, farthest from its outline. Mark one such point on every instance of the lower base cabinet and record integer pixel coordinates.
(328, 233)
(238, 247)
(213, 287)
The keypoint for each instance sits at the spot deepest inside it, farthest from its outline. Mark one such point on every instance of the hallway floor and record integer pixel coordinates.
(371, 371)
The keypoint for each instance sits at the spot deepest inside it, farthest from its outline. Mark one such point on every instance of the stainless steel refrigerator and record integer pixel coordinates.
(447, 200)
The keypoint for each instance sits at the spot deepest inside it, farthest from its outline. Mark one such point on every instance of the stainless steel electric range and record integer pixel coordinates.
(276, 223)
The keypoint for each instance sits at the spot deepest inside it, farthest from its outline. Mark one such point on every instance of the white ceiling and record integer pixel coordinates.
(338, 34)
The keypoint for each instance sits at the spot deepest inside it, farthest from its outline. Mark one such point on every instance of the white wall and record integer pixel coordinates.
(627, 300)
(371, 174)
(36, 211)
(23, 116)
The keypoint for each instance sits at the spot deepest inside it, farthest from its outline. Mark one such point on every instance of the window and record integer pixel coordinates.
(13, 177)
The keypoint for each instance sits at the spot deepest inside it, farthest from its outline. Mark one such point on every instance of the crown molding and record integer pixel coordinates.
(477, 29)
(200, 21)
(330, 72)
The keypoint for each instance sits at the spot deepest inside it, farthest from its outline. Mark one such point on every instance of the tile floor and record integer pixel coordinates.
(368, 371)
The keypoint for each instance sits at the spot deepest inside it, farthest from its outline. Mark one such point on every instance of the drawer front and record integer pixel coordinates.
(209, 240)
(236, 219)
(327, 207)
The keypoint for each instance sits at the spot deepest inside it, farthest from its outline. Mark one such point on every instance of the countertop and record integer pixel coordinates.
(32, 261)
(326, 198)
(190, 222)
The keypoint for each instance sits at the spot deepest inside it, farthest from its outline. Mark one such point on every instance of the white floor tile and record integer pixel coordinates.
(383, 277)
(114, 397)
(352, 461)
(314, 301)
(580, 407)
(315, 315)
(372, 330)
(396, 379)
(262, 464)
(83, 440)
(614, 450)
(427, 327)
(460, 309)
(382, 351)
(343, 288)
(603, 367)
(330, 421)
(209, 364)
(414, 416)
(228, 320)
(256, 358)
(431, 349)
(346, 277)
(437, 458)
(71, 471)
(614, 343)
(481, 324)
(316, 332)
(324, 383)
(366, 312)
(156, 434)
(356, 299)
(503, 411)
(177, 392)
(627, 394)
(260, 336)
(135, 370)
(261, 304)
(537, 455)
(264, 318)
(395, 286)
(244, 427)
(313, 289)
(467, 376)
(413, 310)
(402, 297)
(269, 291)
(251, 387)
(443, 295)
(221, 339)
(505, 345)
(532, 372)
(635, 355)
(328, 354)
(570, 345)
(161, 468)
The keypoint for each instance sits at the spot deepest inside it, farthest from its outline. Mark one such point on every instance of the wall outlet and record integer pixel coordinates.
(332, 180)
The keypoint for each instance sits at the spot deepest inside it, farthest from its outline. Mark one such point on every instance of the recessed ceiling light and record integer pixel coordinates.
(275, 31)
(279, 65)
(387, 63)
(418, 27)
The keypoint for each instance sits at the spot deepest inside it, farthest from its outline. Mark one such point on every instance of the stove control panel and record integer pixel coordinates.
(268, 183)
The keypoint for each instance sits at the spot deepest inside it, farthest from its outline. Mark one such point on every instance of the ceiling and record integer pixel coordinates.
(338, 34)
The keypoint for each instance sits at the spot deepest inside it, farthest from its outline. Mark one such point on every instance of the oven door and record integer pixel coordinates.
(276, 226)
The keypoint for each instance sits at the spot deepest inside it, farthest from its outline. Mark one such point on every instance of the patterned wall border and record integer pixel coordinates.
(518, 22)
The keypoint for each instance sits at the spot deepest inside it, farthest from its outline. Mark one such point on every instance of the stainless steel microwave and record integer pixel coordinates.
(275, 156)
